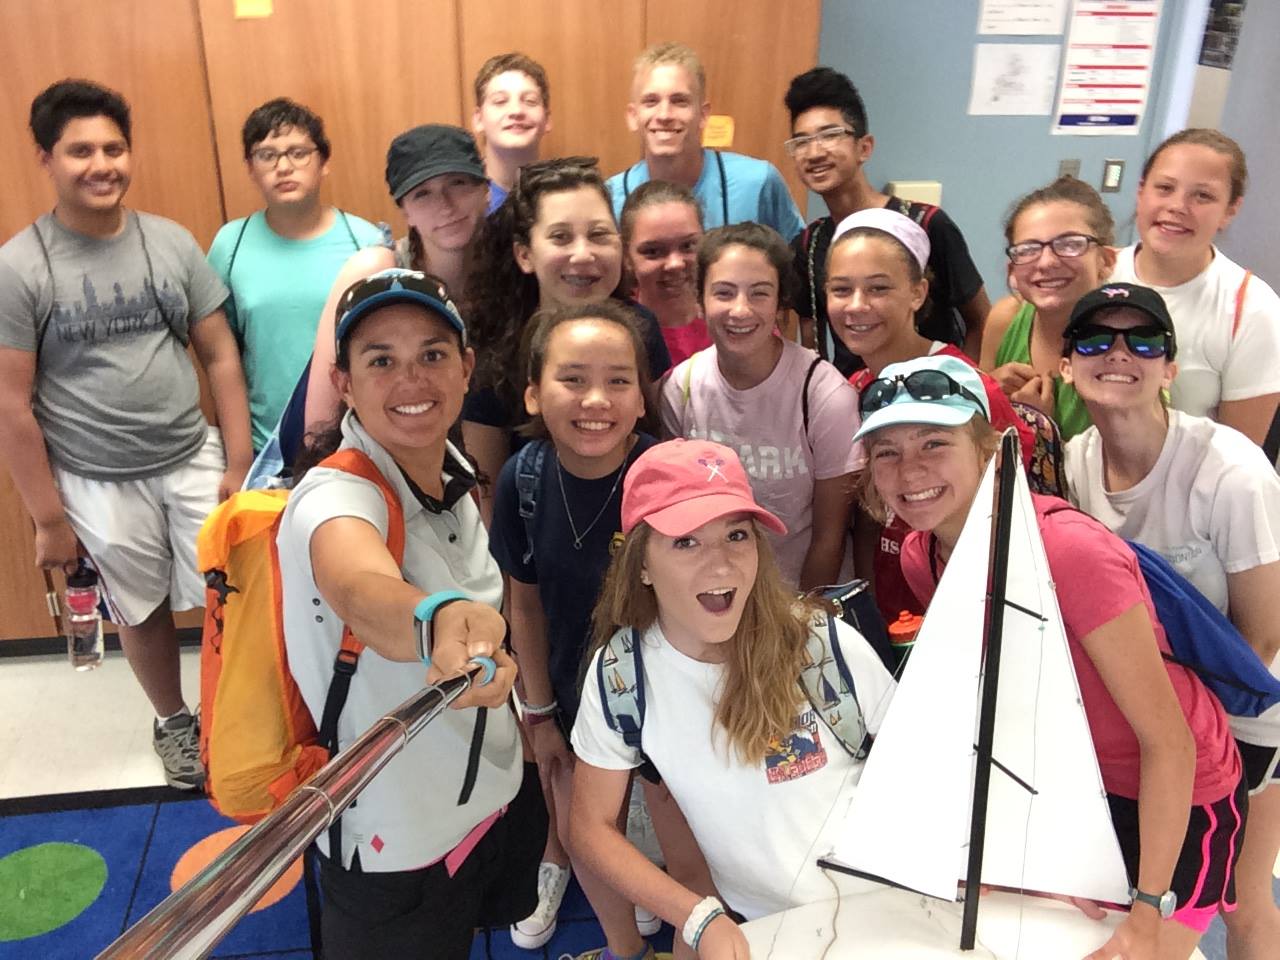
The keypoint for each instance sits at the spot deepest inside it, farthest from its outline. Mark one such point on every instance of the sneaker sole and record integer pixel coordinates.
(527, 941)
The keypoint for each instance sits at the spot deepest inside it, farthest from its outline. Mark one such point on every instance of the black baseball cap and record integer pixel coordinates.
(395, 286)
(1130, 295)
(429, 151)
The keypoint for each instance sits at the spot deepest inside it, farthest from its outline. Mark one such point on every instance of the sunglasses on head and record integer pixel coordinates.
(924, 385)
(1147, 343)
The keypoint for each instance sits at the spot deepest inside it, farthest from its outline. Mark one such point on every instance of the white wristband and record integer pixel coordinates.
(703, 913)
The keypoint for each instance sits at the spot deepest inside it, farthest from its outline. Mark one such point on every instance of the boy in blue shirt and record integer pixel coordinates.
(669, 109)
(280, 262)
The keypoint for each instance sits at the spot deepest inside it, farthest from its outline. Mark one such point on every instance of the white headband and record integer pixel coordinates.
(903, 229)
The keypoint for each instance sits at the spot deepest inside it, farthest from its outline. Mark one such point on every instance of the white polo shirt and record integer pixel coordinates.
(408, 816)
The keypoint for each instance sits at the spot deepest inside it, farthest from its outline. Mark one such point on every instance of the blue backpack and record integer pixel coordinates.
(1201, 638)
(529, 460)
(825, 679)
(1205, 641)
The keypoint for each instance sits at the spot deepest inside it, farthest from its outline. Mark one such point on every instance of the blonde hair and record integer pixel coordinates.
(985, 437)
(760, 696)
(674, 54)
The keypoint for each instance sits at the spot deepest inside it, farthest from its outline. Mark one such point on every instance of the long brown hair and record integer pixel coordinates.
(760, 696)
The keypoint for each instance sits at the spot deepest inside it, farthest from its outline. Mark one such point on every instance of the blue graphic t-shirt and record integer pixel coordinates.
(108, 319)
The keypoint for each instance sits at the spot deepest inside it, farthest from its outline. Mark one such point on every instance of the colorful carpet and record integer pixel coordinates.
(76, 870)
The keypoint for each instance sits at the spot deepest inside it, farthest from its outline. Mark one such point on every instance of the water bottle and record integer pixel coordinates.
(84, 621)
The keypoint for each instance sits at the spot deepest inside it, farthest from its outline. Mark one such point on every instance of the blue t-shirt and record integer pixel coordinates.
(496, 195)
(278, 290)
(568, 579)
(750, 188)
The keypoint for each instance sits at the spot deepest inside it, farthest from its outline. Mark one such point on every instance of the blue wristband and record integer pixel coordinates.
(423, 614)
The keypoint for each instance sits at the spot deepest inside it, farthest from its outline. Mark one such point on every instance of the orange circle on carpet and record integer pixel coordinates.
(203, 853)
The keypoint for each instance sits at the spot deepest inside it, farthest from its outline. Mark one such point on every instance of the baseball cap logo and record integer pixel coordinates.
(713, 468)
(1112, 292)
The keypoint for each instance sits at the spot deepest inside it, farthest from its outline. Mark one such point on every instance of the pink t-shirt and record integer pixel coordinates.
(1098, 579)
(684, 342)
(765, 425)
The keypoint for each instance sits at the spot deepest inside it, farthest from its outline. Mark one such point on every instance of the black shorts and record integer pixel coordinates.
(1260, 765)
(426, 913)
(1204, 876)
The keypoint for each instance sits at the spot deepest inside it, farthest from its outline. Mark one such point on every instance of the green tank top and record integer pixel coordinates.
(1015, 347)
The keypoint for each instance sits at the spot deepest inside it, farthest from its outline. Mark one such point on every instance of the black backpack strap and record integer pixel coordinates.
(529, 463)
(724, 188)
(344, 668)
(804, 399)
(350, 233)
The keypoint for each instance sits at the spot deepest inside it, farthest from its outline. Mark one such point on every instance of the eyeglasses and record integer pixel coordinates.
(1064, 245)
(826, 138)
(269, 158)
(924, 385)
(1146, 343)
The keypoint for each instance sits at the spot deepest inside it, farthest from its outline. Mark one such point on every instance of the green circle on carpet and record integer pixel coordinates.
(46, 886)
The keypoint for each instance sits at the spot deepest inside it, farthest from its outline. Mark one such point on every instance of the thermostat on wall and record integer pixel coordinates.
(921, 191)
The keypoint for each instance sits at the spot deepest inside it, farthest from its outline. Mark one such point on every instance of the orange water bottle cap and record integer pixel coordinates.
(904, 629)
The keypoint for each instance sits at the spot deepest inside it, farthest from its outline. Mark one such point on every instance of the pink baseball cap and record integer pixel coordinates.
(679, 485)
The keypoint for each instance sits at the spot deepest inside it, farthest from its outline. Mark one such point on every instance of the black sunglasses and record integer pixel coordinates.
(1147, 343)
(924, 385)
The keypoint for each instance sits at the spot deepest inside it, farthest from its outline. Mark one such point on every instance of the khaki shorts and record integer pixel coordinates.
(141, 534)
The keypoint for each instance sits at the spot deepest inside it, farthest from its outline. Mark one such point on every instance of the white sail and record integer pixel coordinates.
(1059, 840)
(909, 820)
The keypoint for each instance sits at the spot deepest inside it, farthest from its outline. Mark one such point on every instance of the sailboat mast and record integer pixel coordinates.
(1010, 461)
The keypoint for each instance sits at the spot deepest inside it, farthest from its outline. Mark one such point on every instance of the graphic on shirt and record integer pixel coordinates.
(92, 320)
(761, 461)
(797, 754)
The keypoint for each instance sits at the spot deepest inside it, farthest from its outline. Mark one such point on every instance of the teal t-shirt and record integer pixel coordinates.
(278, 289)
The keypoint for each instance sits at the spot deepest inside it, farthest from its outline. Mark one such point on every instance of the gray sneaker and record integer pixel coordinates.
(177, 741)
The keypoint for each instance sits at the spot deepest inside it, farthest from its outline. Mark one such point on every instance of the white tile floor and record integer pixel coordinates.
(64, 732)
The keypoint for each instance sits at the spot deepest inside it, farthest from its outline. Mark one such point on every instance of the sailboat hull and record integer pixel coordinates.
(893, 924)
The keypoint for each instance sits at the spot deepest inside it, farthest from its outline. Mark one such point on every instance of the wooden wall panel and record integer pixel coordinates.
(370, 68)
(750, 49)
(586, 47)
(150, 52)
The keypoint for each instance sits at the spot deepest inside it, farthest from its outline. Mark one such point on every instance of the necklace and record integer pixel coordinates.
(579, 537)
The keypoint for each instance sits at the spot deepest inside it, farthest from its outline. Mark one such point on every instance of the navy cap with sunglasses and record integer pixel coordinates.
(395, 286)
(1084, 331)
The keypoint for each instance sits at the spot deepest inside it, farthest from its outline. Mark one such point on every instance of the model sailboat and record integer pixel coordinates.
(1041, 822)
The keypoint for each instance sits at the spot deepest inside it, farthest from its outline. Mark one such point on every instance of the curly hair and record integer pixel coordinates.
(279, 114)
(500, 296)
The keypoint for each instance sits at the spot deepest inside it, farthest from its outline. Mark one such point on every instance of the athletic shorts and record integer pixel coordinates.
(141, 534)
(1204, 876)
(428, 914)
(1260, 765)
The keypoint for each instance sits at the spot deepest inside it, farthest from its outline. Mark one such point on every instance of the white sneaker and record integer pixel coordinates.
(647, 923)
(540, 926)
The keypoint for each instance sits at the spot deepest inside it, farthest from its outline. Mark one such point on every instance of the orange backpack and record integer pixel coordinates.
(257, 738)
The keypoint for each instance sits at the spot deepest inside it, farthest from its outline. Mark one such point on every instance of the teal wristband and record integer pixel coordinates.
(702, 927)
(425, 612)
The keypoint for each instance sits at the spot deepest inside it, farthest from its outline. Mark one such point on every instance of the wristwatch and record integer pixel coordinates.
(425, 612)
(1165, 904)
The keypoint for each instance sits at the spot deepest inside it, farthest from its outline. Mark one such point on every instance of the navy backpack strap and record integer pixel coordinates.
(804, 399)
(529, 463)
(620, 677)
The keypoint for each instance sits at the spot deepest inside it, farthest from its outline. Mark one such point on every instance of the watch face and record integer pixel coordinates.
(1168, 904)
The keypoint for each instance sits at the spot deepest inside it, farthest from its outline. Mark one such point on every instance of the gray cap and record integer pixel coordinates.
(429, 151)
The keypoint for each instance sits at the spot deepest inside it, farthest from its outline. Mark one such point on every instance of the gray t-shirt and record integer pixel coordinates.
(115, 393)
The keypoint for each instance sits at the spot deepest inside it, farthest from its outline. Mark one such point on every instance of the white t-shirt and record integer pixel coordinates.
(761, 827)
(1210, 506)
(408, 815)
(1215, 364)
(765, 425)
